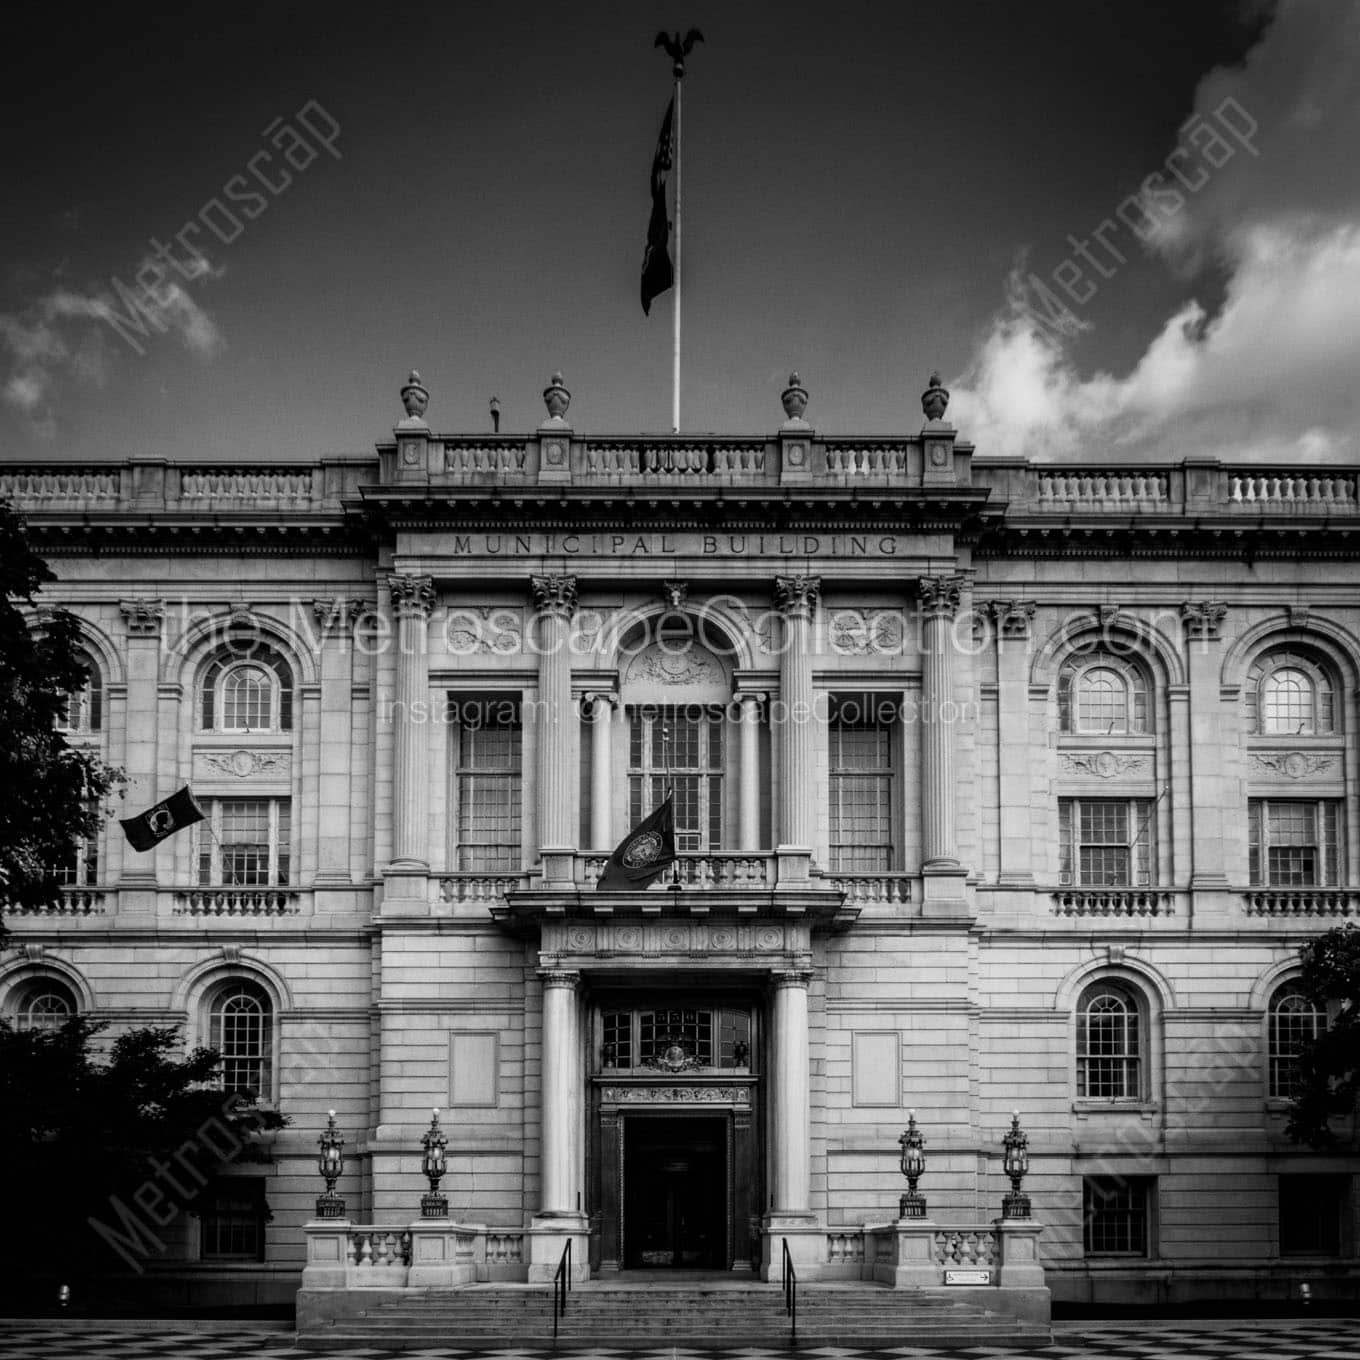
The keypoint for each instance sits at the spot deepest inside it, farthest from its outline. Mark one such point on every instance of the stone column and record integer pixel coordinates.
(412, 601)
(601, 771)
(1014, 757)
(335, 796)
(143, 619)
(555, 601)
(791, 1217)
(748, 772)
(796, 599)
(559, 1216)
(943, 876)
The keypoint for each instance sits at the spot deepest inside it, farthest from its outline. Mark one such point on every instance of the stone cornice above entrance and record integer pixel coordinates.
(528, 911)
(767, 946)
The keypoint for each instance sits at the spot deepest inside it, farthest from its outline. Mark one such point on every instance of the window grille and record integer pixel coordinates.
(1103, 695)
(254, 695)
(1294, 1022)
(1294, 844)
(1289, 693)
(240, 1029)
(43, 1007)
(490, 794)
(1105, 842)
(232, 1219)
(1313, 1212)
(708, 1036)
(1115, 1215)
(862, 813)
(680, 749)
(84, 711)
(1109, 1043)
(244, 842)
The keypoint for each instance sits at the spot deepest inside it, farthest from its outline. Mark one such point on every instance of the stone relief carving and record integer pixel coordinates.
(1106, 764)
(1012, 617)
(676, 1095)
(940, 595)
(797, 596)
(1292, 764)
(662, 665)
(554, 594)
(143, 617)
(859, 632)
(412, 596)
(1203, 618)
(485, 628)
(242, 764)
(670, 937)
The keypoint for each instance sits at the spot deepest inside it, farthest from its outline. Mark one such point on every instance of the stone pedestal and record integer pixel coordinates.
(444, 1253)
(1020, 1267)
(910, 1262)
(327, 1253)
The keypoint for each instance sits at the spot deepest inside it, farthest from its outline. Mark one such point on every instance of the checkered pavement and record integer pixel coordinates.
(1275, 1339)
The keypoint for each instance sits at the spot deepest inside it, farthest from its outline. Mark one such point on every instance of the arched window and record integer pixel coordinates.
(252, 694)
(1103, 695)
(241, 1029)
(1290, 693)
(1109, 1043)
(1293, 1022)
(43, 1004)
(85, 706)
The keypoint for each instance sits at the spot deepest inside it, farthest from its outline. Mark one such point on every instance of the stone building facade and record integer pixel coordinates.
(999, 786)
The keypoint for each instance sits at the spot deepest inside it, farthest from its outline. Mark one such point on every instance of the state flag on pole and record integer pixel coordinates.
(151, 827)
(644, 854)
(657, 271)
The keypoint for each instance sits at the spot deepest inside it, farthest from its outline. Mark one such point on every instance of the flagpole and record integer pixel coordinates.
(675, 367)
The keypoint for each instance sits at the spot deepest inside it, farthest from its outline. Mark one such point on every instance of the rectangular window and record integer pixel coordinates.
(489, 775)
(1106, 842)
(1313, 1215)
(680, 750)
(232, 1216)
(860, 746)
(244, 842)
(1294, 844)
(1115, 1214)
(79, 867)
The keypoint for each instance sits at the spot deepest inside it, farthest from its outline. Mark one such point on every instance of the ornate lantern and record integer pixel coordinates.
(432, 1163)
(330, 1164)
(1015, 1162)
(912, 1204)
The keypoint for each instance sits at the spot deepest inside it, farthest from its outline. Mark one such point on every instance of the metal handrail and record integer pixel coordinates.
(561, 1286)
(790, 1293)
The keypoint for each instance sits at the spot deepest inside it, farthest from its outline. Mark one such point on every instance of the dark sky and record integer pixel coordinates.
(859, 181)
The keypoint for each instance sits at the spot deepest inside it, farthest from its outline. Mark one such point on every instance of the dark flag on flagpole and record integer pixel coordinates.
(644, 854)
(151, 827)
(657, 272)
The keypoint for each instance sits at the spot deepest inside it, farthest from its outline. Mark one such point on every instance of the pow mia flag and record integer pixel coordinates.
(644, 854)
(149, 828)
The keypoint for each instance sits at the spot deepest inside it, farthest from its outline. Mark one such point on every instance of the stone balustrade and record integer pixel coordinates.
(1113, 902)
(884, 889)
(237, 902)
(1302, 902)
(72, 902)
(713, 871)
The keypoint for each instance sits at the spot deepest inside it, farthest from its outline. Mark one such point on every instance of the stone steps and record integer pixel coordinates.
(521, 1316)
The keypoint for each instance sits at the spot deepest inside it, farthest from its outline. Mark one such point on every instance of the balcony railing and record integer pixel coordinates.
(715, 870)
(476, 887)
(1302, 902)
(237, 902)
(1113, 902)
(890, 889)
(72, 902)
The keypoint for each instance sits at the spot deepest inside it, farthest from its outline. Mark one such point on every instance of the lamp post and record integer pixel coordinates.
(912, 1204)
(432, 1163)
(330, 1164)
(1015, 1162)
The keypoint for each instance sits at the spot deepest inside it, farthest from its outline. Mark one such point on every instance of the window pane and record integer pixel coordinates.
(233, 1220)
(680, 752)
(1108, 1048)
(247, 692)
(1102, 701)
(1114, 1215)
(245, 842)
(1311, 1209)
(1294, 1022)
(240, 1032)
(1288, 701)
(490, 797)
(861, 788)
(44, 1008)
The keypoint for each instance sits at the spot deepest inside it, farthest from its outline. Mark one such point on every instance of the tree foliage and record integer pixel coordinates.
(127, 1141)
(1329, 1067)
(50, 792)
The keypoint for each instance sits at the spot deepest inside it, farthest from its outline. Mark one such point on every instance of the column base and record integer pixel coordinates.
(559, 868)
(548, 1236)
(806, 1237)
(944, 889)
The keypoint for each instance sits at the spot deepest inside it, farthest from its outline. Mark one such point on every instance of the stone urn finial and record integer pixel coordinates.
(795, 399)
(415, 397)
(556, 398)
(935, 398)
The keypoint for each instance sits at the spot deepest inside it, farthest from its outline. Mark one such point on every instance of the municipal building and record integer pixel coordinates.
(1000, 787)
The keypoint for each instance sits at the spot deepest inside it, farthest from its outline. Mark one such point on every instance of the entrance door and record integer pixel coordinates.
(675, 1193)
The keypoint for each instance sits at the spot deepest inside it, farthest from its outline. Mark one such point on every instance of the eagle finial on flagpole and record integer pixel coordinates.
(678, 48)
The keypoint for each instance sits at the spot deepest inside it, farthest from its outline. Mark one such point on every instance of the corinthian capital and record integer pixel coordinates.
(412, 596)
(940, 596)
(796, 596)
(142, 617)
(1203, 618)
(554, 595)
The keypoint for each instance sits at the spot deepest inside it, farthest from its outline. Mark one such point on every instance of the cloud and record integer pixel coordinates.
(68, 334)
(1272, 375)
